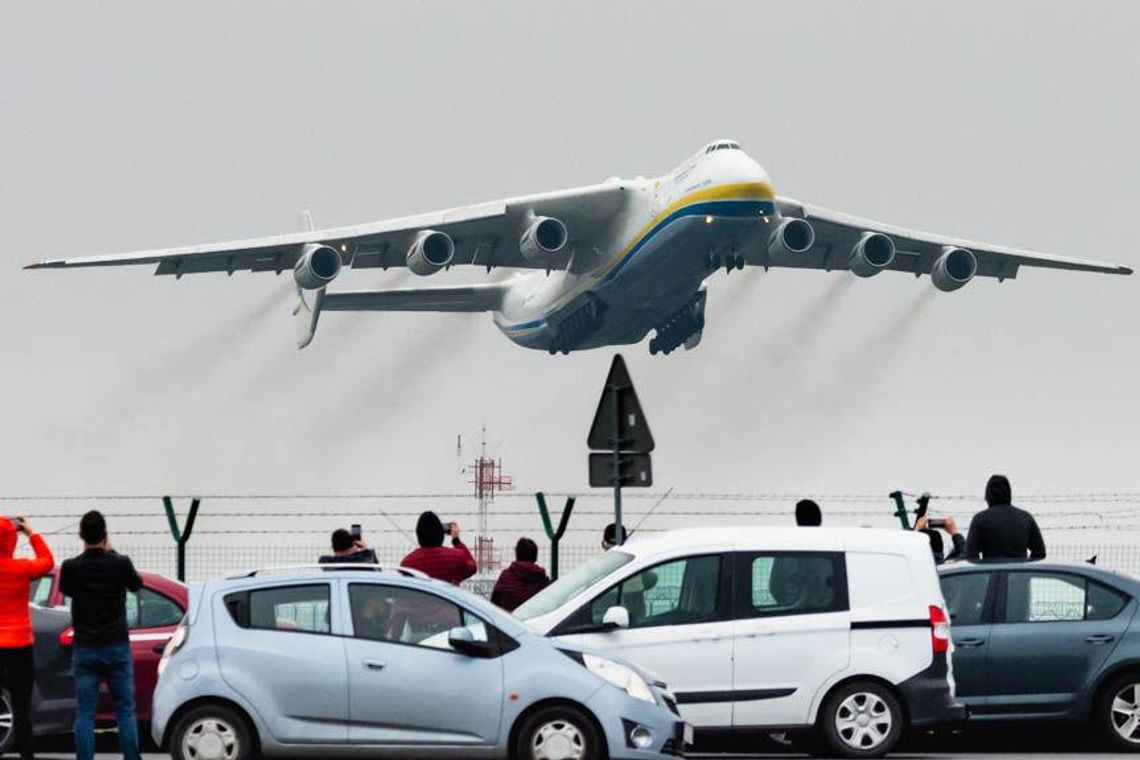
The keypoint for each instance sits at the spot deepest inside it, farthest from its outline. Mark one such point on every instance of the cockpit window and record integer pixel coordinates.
(722, 146)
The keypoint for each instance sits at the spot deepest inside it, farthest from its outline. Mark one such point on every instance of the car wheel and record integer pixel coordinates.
(559, 732)
(861, 719)
(212, 732)
(1118, 713)
(7, 719)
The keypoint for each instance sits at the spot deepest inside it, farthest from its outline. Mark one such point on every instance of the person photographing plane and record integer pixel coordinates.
(17, 664)
(453, 564)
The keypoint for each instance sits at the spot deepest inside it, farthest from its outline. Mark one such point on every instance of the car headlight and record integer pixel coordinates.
(620, 676)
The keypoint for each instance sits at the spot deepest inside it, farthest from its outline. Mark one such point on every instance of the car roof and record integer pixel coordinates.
(1058, 565)
(742, 537)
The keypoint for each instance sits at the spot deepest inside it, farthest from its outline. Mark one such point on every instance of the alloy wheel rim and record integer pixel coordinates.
(210, 739)
(558, 740)
(1125, 713)
(6, 716)
(863, 721)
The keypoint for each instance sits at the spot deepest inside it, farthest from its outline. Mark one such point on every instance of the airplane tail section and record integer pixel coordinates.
(457, 298)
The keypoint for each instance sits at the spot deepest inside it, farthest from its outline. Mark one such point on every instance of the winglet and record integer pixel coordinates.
(307, 316)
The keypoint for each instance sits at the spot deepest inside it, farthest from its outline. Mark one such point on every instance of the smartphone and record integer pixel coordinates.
(937, 522)
(355, 530)
(450, 528)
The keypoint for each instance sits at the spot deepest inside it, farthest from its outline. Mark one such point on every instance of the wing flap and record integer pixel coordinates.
(455, 298)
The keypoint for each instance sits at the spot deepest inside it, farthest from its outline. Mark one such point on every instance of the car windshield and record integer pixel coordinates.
(573, 583)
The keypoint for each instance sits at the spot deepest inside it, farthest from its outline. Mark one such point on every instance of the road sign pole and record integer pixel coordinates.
(619, 534)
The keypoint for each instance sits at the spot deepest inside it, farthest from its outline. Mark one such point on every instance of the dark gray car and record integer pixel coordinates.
(1049, 641)
(53, 697)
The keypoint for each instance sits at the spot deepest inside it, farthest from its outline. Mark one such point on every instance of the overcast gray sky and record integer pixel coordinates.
(137, 125)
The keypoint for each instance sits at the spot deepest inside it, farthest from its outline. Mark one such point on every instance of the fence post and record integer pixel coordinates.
(900, 509)
(181, 535)
(554, 535)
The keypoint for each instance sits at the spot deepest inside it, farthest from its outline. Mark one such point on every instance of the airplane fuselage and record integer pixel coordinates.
(649, 264)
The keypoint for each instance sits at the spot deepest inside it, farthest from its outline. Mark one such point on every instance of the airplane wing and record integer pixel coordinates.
(484, 235)
(836, 235)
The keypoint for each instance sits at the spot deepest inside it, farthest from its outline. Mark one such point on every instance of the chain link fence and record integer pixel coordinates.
(236, 533)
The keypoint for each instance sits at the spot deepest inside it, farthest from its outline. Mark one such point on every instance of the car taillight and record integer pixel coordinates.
(172, 646)
(67, 638)
(939, 630)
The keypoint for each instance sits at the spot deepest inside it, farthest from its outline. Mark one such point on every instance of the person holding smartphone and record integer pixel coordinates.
(453, 564)
(17, 666)
(349, 548)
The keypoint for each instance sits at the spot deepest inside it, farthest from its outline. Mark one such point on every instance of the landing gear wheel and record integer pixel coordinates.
(1117, 713)
(212, 732)
(560, 732)
(860, 719)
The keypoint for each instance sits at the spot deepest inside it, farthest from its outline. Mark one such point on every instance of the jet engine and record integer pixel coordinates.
(791, 236)
(431, 252)
(953, 269)
(545, 235)
(317, 266)
(872, 254)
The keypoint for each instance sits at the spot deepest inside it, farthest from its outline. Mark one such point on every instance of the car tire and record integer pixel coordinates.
(7, 725)
(215, 732)
(1118, 709)
(860, 719)
(561, 732)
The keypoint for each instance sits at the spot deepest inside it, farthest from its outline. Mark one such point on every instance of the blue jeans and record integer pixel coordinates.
(114, 664)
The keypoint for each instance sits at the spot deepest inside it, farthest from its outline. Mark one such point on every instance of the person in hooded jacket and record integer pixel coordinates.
(453, 564)
(1002, 530)
(522, 580)
(17, 666)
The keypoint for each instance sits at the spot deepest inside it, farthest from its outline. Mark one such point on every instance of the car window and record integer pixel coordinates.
(40, 591)
(1044, 598)
(1103, 603)
(794, 583)
(965, 595)
(679, 592)
(282, 608)
(150, 609)
(406, 616)
(572, 583)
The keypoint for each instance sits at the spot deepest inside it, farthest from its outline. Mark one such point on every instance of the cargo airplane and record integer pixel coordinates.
(608, 263)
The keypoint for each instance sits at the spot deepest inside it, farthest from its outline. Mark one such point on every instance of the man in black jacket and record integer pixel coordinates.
(348, 549)
(97, 582)
(1002, 530)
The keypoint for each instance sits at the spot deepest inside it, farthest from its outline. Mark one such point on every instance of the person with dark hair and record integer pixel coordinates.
(609, 536)
(937, 545)
(808, 514)
(1002, 530)
(17, 664)
(453, 564)
(522, 579)
(97, 581)
(348, 549)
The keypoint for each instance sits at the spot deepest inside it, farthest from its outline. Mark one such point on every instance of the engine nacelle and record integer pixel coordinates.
(318, 266)
(791, 236)
(431, 252)
(545, 235)
(953, 269)
(872, 254)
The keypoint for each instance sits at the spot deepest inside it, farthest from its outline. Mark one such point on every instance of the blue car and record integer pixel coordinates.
(366, 662)
(1047, 641)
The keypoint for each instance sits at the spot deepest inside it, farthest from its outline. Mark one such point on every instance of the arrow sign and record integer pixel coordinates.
(619, 408)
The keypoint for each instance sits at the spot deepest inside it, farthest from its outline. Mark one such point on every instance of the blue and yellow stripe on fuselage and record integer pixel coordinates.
(745, 199)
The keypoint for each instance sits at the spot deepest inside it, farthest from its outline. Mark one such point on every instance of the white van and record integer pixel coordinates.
(842, 633)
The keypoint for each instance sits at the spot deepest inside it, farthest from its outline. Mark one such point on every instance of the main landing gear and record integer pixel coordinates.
(684, 324)
(729, 262)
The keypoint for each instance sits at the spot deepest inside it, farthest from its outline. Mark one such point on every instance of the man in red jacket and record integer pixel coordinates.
(17, 668)
(452, 564)
(522, 580)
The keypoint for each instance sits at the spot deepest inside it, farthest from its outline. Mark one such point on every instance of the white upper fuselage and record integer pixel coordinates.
(707, 206)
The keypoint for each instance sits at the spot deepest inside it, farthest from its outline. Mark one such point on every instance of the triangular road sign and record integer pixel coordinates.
(619, 415)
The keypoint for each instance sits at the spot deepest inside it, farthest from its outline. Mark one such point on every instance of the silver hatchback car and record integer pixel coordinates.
(367, 662)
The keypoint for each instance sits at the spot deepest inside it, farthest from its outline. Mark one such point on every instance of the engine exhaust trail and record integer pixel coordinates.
(802, 335)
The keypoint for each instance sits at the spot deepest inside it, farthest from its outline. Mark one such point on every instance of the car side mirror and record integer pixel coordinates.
(463, 641)
(615, 617)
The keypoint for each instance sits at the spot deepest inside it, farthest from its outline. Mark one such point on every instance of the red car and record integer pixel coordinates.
(152, 615)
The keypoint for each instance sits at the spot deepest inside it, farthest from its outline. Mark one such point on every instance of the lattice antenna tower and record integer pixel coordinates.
(488, 479)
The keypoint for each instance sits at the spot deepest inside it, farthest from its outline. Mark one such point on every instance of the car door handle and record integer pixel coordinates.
(159, 648)
(1100, 638)
(967, 643)
(374, 664)
(707, 636)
